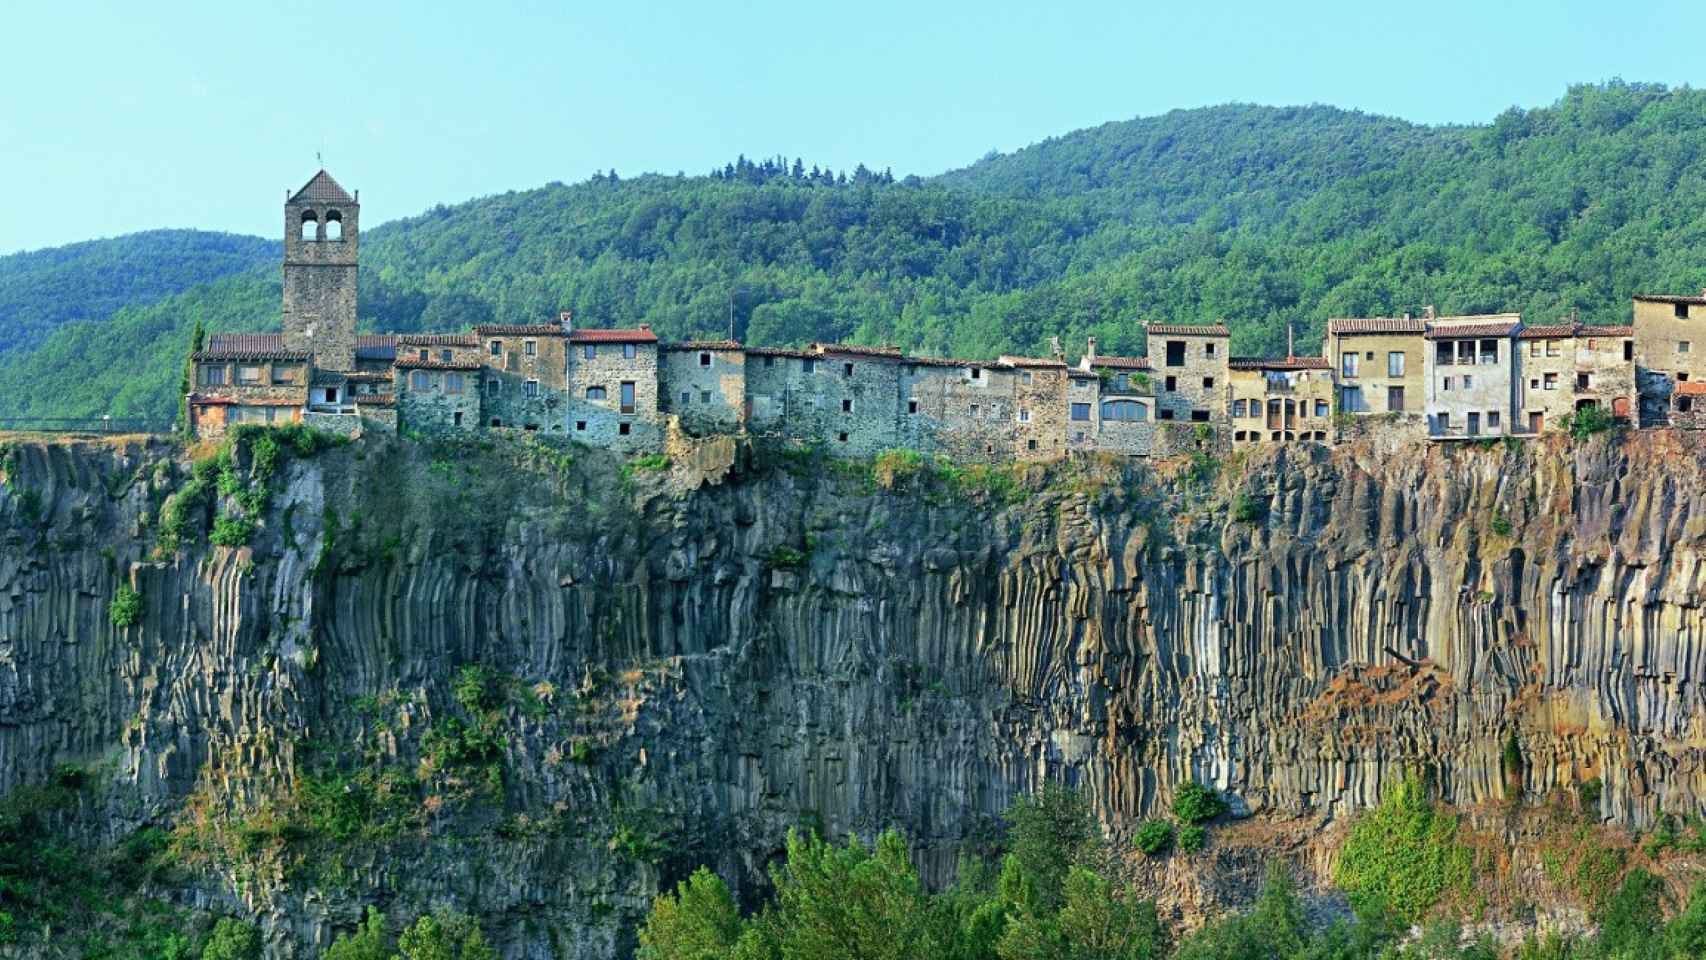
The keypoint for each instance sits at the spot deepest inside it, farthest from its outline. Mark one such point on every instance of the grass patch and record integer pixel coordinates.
(125, 610)
(1406, 853)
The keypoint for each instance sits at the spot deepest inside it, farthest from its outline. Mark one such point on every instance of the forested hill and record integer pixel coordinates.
(1265, 217)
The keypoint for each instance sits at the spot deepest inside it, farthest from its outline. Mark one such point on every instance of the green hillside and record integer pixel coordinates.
(1265, 217)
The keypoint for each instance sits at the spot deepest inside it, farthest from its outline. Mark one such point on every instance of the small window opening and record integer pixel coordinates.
(456, 419)
(976, 374)
(310, 226)
(846, 406)
(530, 347)
(847, 369)
(842, 437)
(912, 406)
(497, 348)
(704, 359)
(334, 226)
(496, 422)
(629, 351)
(580, 425)
(1681, 311)
(624, 429)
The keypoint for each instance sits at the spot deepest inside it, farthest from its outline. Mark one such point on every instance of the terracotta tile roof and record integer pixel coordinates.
(1670, 298)
(1121, 363)
(521, 329)
(1608, 330)
(222, 400)
(1279, 363)
(1456, 331)
(857, 350)
(1355, 325)
(779, 352)
(375, 400)
(1191, 330)
(1557, 330)
(590, 335)
(1691, 388)
(322, 188)
(705, 345)
(1073, 373)
(1037, 362)
(437, 340)
(376, 346)
(247, 346)
(367, 375)
(951, 362)
(415, 363)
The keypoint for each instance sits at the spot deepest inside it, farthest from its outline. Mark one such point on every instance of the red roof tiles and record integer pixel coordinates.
(247, 346)
(437, 340)
(1670, 298)
(589, 335)
(1279, 363)
(1190, 330)
(705, 345)
(415, 363)
(1463, 331)
(1356, 325)
(520, 329)
(321, 187)
(1121, 363)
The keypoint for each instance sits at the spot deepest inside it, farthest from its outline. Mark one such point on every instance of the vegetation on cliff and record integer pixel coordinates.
(1266, 217)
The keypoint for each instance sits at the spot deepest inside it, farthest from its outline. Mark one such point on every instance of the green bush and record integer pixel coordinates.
(646, 463)
(895, 468)
(369, 942)
(231, 531)
(232, 940)
(1588, 421)
(786, 556)
(1153, 837)
(125, 610)
(1248, 509)
(1501, 524)
(1195, 803)
(1193, 838)
(1405, 853)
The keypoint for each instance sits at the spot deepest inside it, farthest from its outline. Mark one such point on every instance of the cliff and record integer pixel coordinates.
(537, 685)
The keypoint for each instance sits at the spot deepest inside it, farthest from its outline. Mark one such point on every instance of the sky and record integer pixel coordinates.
(120, 117)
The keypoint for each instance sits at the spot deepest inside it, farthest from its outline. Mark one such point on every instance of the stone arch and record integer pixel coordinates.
(334, 225)
(309, 229)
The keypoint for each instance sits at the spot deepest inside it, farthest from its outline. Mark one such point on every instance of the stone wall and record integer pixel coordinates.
(603, 422)
(704, 386)
(526, 378)
(432, 400)
(1194, 390)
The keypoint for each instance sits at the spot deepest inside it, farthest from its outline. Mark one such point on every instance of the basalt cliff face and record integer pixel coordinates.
(675, 666)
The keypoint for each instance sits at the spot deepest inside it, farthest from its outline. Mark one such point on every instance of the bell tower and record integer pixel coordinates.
(322, 231)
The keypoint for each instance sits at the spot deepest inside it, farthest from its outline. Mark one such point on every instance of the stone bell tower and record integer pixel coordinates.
(322, 230)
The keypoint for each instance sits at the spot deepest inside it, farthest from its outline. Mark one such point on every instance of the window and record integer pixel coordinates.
(1175, 353)
(1492, 419)
(1628, 350)
(1321, 407)
(580, 426)
(1208, 383)
(595, 393)
(770, 361)
(1081, 411)
(1534, 383)
(704, 396)
(846, 405)
(590, 351)
(627, 396)
(1208, 349)
(1551, 348)
(530, 347)
(1172, 384)
(1030, 444)
(248, 375)
(974, 409)
(704, 359)
(1394, 399)
(1371, 356)
(1025, 377)
(456, 419)
(1583, 380)
(283, 374)
(496, 347)
(496, 422)
(624, 429)
(1490, 351)
(1682, 346)
(418, 380)
(1395, 363)
(809, 366)
(1468, 381)
(912, 406)
(530, 389)
(629, 351)
(686, 397)
(1534, 348)
(1237, 409)
(493, 386)
(1348, 364)
(1443, 353)
(424, 355)
(1446, 386)
(976, 374)
(1681, 309)
(847, 369)
(1024, 416)
(212, 376)
(842, 437)
(1350, 400)
(1549, 381)
(453, 383)
(1684, 404)
(1164, 415)
(444, 356)
(1124, 410)
(1200, 416)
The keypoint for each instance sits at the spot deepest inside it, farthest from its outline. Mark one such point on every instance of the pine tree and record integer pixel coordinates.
(188, 382)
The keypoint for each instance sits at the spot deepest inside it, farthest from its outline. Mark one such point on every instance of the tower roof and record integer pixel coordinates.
(322, 187)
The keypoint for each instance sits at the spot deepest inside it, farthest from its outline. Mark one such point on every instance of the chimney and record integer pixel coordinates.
(1703, 291)
(646, 326)
(1290, 351)
(1054, 348)
(1428, 312)
(1090, 349)
(567, 319)
(1406, 316)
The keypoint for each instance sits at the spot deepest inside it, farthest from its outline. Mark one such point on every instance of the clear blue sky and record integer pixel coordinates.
(125, 116)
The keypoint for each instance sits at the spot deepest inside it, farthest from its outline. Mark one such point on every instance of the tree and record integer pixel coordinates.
(369, 941)
(187, 383)
(1094, 923)
(444, 936)
(232, 940)
(1049, 832)
(698, 922)
(836, 902)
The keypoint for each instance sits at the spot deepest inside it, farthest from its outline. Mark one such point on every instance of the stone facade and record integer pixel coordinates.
(436, 396)
(1670, 348)
(1378, 365)
(1189, 372)
(1470, 369)
(1122, 392)
(1283, 400)
(1568, 366)
(526, 376)
(321, 242)
(703, 385)
(613, 388)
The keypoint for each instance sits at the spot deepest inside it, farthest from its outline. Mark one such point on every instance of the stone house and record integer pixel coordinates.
(852, 399)
(1188, 371)
(1122, 396)
(437, 393)
(964, 409)
(246, 378)
(703, 385)
(1565, 367)
(1470, 369)
(526, 375)
(1670, 335)
(1280, 399)
(613, 388)
(1377, 363)
(1043, 406)
(1688, 405)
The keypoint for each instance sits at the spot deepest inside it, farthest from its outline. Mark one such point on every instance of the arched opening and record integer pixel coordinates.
(310, 226)
(334, 225)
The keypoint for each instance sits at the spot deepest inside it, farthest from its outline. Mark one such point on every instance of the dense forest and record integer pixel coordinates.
(1268, 218)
